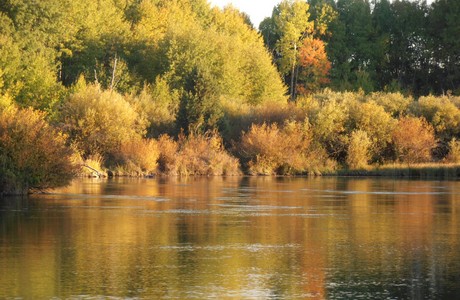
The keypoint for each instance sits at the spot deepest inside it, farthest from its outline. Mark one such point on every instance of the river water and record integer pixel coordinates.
(234, 238)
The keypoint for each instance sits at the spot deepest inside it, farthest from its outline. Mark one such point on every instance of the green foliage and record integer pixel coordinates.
(33, 155)
(329, 123)
(159, 105)
(395, 104)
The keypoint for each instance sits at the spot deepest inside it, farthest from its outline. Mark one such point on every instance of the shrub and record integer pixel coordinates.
(100, 121)
(168, 155)
(240, 117)
(91, 166)
(358, 150)
(395, 104)
(414, 139)
(159, 105)
(377, 123)
(138, 157)
(201, 154)
(329, 126)
(441, 112)
(33, 155)
(454, 151)
(269, 149)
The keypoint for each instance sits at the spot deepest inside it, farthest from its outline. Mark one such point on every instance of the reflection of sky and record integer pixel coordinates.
(256, 9)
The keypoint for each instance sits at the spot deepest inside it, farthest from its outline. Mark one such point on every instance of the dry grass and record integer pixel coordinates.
(425, 170)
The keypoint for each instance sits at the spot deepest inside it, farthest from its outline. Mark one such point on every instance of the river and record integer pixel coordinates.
(234, 238)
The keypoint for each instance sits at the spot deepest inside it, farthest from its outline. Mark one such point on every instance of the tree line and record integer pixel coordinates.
(182, 88)
(373, 45)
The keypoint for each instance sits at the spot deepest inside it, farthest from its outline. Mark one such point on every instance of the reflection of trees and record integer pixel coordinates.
(231, 237)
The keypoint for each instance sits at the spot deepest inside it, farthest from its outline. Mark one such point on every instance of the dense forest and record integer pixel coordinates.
(179, 87)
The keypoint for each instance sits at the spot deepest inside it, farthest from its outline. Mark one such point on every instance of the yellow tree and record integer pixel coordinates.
(291, 20)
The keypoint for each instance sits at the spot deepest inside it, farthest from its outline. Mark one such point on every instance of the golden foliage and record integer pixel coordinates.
(139, 156)
(414, 139)
(358, 150)
(100, 121)
(454, 151)
(269, 149)
(33, 155)
(201, 154)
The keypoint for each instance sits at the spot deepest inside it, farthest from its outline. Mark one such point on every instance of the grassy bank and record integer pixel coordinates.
(428, 170)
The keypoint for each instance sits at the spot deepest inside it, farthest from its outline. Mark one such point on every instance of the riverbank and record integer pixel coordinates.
(428, 170)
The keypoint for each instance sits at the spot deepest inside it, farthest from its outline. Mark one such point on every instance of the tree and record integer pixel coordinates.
(351, 46)
(314, 65)
(290, 25)
(444, 25)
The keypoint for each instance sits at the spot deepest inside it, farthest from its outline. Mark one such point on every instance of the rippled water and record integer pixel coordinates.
(237, 238)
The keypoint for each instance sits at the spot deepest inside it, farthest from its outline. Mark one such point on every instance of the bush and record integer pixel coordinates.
(196, 155)
(138, 157)
(158, 104)
(239, 117)
(358, 150)
(414, 139)
(33, 155)
(377, 123)
(395, 104)
(454, 151)
(269, 149)
(441, 112)
(100, 121)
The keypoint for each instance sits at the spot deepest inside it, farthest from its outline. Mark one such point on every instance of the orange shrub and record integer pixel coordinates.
(138, 156)
(414, 139)
(270, 149)
(168, 155)
(196, 155)
(33, 155)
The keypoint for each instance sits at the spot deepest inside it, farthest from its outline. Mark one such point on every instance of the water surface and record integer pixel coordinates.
(234, 238)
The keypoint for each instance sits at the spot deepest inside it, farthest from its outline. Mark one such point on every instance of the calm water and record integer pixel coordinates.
(237, 238)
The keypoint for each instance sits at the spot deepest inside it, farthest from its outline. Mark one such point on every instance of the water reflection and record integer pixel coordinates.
(251, 238)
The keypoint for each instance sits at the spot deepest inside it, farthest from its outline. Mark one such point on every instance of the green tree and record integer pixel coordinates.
(351, 46)
(444, 25)
(288, 26)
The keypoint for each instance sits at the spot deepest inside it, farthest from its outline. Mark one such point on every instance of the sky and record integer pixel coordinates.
(256, 9)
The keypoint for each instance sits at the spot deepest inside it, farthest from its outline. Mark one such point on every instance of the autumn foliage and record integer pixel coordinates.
(414, 139)
(33, 154)
(315, 66)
